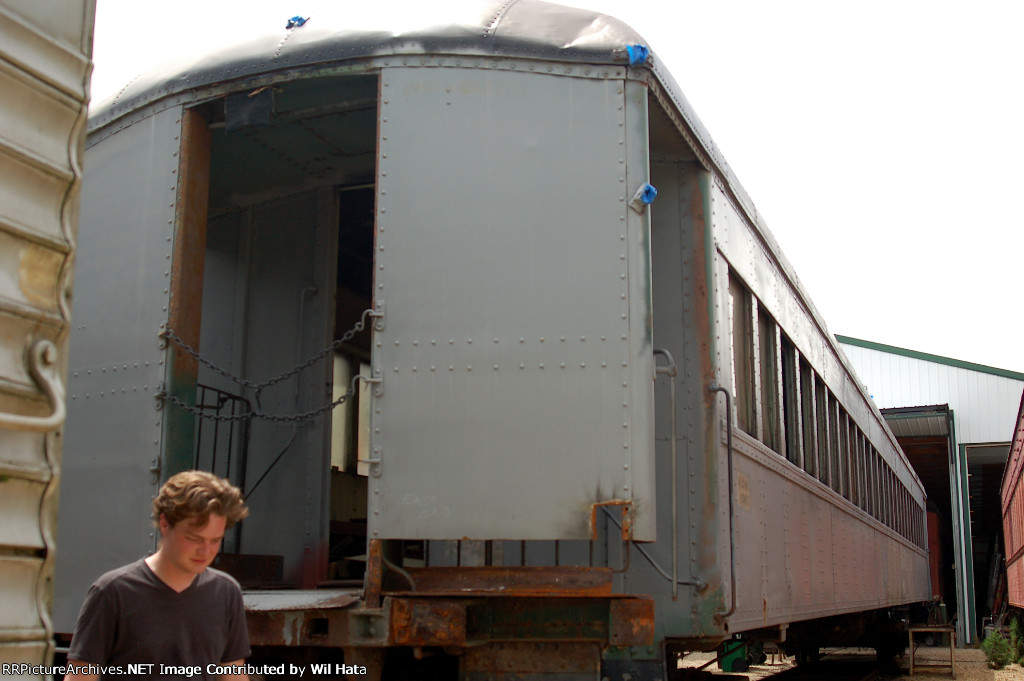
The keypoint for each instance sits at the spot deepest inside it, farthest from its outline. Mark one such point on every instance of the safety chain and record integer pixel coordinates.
(259, 414)
(257, 388)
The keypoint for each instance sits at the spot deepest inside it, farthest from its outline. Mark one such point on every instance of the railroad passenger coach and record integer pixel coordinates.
(515, 380)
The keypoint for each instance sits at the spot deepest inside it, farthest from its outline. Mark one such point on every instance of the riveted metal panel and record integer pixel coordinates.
(44, 68)
(752, 256)
(117, 358)
(506, 270)
(680, 324)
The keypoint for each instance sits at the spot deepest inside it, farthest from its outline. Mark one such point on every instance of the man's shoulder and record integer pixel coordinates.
(131, 572)
(218, 579)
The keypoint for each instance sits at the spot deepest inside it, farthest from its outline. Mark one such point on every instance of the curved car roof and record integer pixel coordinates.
(349, 32)
(531, 29)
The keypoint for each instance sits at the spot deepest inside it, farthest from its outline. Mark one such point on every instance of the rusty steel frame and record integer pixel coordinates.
(452, 622)
(516, 581)
(455, 608)
(515, 661)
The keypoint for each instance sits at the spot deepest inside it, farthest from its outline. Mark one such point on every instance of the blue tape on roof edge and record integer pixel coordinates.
(637, 54)
(296, 21)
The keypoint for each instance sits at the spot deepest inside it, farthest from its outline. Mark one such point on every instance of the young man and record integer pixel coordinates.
(171, 610)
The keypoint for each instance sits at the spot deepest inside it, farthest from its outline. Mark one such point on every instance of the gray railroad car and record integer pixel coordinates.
(45, 62)
(512, 373)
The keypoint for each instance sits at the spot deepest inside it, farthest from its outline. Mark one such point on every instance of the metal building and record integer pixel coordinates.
(45, 64)
(954, 421)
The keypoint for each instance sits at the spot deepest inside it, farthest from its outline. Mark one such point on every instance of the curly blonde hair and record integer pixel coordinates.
(194, 495)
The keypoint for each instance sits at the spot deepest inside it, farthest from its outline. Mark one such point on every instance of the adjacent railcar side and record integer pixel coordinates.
(45, 64)
(829, 516)
(466, 355)
(1013, 515)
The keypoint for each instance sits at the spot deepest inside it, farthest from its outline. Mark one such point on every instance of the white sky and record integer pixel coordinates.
(881, 140)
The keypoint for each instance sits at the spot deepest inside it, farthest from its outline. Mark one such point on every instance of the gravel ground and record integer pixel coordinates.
(971, 665)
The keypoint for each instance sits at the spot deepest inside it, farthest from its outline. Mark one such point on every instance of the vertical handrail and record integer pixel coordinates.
(222, 407)
(672, 370)
(732, 530)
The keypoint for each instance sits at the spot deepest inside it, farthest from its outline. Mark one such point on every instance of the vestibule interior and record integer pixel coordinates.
(288, 270)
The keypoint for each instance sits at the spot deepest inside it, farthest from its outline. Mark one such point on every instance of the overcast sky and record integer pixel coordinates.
(881, 141)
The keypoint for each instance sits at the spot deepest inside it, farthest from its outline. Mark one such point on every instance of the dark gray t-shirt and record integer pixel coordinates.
(130, 616)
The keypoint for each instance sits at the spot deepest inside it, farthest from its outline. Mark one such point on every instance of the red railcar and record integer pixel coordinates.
(1013, 515)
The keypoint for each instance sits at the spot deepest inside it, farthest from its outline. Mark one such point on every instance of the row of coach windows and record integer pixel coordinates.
(784, 403)
(1014, 520)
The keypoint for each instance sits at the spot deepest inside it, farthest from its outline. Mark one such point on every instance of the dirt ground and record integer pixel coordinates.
(971, 665)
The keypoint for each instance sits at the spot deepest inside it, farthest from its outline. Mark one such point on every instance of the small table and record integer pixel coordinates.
(941, 629)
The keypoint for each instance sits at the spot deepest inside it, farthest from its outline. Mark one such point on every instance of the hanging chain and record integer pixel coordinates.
(257, 388)
(259, 414)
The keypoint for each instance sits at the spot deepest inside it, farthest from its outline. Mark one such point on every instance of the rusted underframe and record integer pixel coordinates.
(458, 622)
(528, 660)
(514, 581)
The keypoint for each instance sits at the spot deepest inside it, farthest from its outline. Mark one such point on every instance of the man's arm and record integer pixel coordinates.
(73, 675)
(241, 676)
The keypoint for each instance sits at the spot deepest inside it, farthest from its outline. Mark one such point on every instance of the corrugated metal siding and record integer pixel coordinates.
(984, 404)
(45, 52)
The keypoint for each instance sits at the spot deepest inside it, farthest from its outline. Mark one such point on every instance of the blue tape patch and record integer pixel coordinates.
(643, 197)
(637, 54)
(296, 21)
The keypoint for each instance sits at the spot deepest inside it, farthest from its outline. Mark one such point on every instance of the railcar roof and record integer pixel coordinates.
(526, 29)
(491, 28)
(531, 29)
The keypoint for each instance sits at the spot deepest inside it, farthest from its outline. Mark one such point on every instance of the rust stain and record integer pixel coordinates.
(626, 508)
(187, 269)
(455, 622)
(511, 661)
(374, 573)
(314, 565)
(427, 622)
(743, 491)
(632, 622)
